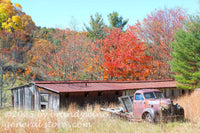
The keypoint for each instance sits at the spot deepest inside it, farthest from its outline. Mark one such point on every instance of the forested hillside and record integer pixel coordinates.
(115, 51)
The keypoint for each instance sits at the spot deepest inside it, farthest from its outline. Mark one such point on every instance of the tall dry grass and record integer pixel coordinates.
(191, 105)
(91, 119)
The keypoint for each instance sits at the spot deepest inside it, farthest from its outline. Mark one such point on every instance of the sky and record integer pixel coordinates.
(75, 13)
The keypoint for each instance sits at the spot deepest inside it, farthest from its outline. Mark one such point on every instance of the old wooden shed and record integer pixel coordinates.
(55, 95)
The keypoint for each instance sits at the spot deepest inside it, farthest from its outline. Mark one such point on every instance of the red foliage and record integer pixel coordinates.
(124, 57)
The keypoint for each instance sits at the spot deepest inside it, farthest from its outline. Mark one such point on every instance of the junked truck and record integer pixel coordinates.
(147, 105)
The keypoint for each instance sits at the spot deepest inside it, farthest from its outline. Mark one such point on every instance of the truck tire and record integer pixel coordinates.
(148, 118)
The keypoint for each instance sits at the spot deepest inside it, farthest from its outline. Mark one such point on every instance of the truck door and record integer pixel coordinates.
(138, 105)
(127, 103)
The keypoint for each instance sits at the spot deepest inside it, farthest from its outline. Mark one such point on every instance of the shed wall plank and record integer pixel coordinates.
(15, 100)
(28, 99)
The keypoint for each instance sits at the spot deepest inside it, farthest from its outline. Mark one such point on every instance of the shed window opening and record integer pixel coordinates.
(44, 98)
(43, 107)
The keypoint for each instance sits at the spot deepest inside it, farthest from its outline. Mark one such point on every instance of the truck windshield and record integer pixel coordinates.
(159, 95)
(152, 95)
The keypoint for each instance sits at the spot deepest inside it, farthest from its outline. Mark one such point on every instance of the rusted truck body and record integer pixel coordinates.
(148, 105)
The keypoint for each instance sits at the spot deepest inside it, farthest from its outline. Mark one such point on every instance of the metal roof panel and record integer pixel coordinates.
(103, 86)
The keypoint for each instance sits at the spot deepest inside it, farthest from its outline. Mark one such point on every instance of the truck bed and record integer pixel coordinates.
(126, 111)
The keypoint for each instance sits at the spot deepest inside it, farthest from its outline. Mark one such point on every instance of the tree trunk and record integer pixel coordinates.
(0, 96)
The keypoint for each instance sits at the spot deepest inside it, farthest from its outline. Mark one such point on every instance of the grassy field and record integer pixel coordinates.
(92, 120)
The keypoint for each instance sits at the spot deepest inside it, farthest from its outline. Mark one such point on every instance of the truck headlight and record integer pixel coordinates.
(178, 106)
(165, 106)
(162, 108)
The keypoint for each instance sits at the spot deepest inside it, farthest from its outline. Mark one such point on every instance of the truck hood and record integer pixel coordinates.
(163, 101)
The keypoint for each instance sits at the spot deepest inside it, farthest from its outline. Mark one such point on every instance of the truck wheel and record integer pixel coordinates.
(149, 118)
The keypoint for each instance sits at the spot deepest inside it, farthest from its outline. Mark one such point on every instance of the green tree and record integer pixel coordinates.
(186, 55)
(117, 21)
(96, 28)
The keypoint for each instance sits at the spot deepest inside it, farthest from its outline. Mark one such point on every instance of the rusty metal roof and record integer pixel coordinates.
(86, 86)
(99, 81)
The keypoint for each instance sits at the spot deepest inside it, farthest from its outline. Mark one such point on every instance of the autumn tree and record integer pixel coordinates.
(96, 28)
(44, 33)
(186, 55)
(96, 67)
(63, 60)
(124, 57)
(16, 30)
(117, 21)
(37, 58)
(12, 17)
(71, 56)
(157, 31)
(10, 66)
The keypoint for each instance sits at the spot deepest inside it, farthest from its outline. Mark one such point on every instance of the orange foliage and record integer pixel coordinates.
(63, 60)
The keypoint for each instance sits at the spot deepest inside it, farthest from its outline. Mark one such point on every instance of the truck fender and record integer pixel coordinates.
(148, 110)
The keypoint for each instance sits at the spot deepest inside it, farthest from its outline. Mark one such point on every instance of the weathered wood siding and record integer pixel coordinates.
(15, 98)
(28, 98)
(37, 99)
(128, 92)
(53, 99)
(172, 93)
